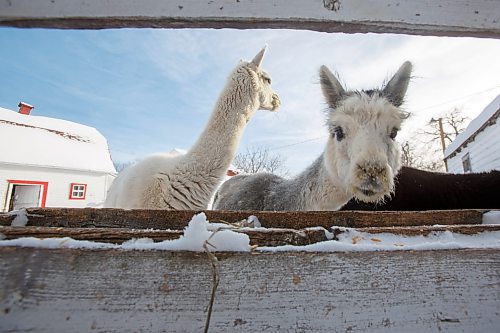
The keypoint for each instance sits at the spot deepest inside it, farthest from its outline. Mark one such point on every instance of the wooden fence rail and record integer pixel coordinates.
(267, 237)
(82, 290)
(164, 219)
(479, 18)
(64, 290)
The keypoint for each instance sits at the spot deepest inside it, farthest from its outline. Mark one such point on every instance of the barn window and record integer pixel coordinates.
(78, 191)
(466, 163)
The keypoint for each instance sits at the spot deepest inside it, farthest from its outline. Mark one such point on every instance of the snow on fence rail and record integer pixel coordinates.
(49, 282)
(479, 18)
(279, 229)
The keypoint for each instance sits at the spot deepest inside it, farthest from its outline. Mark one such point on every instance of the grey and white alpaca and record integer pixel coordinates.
(360, 159)
(188, 181)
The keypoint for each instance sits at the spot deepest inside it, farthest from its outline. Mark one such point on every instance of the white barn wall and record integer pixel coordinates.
(59, 182)
(484, 152)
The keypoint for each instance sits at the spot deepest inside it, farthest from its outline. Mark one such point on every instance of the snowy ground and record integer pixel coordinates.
(200, 230)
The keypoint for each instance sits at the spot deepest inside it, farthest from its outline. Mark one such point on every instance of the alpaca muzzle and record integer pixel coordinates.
(372, 182)
(276, 102)
(271, 103)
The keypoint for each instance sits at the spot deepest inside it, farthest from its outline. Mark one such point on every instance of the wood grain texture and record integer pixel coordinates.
(259, 237)
(177, 220)
(426, 230)
(478, 18)
(155, 291)
(266, 237)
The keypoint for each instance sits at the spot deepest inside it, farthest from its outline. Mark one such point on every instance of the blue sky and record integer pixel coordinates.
(152, 90)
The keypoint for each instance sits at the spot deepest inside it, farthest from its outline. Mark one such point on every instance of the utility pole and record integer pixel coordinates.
(441, 134)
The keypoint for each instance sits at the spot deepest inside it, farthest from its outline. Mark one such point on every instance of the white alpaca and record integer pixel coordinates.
(360, 159)
(188, 181)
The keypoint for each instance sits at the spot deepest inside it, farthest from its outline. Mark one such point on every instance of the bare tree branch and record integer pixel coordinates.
(453, 124)
(417, 156)
(120, 166)
(258, 159)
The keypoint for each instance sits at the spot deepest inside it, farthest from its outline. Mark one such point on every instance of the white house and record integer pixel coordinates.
(47, 162)
(478, 147)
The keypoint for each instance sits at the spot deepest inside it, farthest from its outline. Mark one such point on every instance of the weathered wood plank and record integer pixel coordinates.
(6, 219)
(268, 237)
(426, 230)
(164, 219)
(104, 235)
(478, 18)
(259, 237)
(156, 291)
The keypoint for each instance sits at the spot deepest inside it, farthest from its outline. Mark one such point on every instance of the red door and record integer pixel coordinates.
(27, 193)
(25, 196)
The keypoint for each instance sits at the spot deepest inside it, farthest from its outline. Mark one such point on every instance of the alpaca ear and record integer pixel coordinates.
(395, 89)
(331, 87)
(257, 60)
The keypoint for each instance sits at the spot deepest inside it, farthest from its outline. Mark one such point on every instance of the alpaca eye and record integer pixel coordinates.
(339, 133)
(267, 79)
(393, 134)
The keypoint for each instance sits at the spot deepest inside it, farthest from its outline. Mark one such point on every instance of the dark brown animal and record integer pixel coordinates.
(424, 190)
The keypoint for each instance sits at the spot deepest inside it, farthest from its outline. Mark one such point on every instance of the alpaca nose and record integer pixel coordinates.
(276, 102)
(372, 169)
(372, 172)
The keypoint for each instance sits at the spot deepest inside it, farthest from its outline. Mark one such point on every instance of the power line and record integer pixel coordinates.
(459, 98)
(426, 108)
(298, 143)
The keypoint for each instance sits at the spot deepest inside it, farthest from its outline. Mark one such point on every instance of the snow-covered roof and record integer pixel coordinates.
(26, 104)
(475, 126)
(50, 142)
